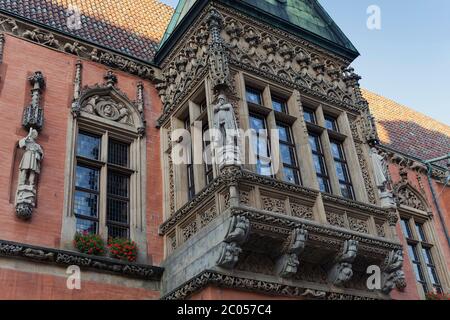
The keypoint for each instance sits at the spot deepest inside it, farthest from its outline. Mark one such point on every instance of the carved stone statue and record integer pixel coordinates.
(224, 119)
(229, 256)
(380, 170)
(29, 169)
(341, 272)
(393, 275)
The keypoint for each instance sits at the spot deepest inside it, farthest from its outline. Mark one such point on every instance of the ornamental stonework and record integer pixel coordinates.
(301, 211)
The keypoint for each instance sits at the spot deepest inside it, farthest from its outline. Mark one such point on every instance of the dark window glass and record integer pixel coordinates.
(405, 228)
(309, 116)
(331, 123)
(253, 96)
(260, 145)
(88, 146)
(412, 250)
(319, 163)
(431, 268)
(86, 204)
(118, 153)
(87, 178)
(209, 175)
(342, 170)
(190, 166)
(420, 232)
(118, 202)
(279, 105)
(287, 150)
(86, 226)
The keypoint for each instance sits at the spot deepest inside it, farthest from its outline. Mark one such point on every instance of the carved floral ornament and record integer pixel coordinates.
(408, 196)
(108, 102)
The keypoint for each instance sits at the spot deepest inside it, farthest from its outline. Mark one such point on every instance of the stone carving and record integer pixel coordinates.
(273, 204)
(66, 44)
(66, 258)
(245, 198)
(230, 281)
(393, 275)
(225, 144)
(237, 234)
(336, 219)
(341, 272)
(288, 263)
(189, 230)
(407, 196)
(108, 102)
(107, 108)
(382, 178)
(33, 115)
(380, 230)
(301, 211)
(358, 225)
(29, 170)
(2, 46)
(207, 216)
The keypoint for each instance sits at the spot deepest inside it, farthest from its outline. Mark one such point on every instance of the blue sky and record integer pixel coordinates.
(408, 60)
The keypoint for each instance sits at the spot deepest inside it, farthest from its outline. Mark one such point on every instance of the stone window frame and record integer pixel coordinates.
(197, 107)
(105, 128)
(413, 217)
(295, 104)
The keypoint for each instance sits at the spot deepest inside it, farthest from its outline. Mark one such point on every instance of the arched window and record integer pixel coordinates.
(105, 184)
(421, 240)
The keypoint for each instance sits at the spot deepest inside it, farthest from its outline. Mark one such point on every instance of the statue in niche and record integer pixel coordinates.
(224, 119)
(380, 169)
(29, 169)
(382, 180)
(30, 166)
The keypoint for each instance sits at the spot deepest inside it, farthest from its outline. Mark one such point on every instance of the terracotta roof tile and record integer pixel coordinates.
(408, 131)
(129, 26)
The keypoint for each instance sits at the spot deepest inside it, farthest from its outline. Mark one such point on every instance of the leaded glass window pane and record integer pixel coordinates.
(118, 153)
(87, 178)
(88, 146)
(253, 96)
(86, 204)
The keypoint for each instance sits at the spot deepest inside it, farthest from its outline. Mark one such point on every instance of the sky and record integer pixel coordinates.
(408, 58)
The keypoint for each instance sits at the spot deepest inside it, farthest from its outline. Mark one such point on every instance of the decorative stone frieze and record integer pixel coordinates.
(66, 44)
(85, 262)
(341, 272)
(266, 287)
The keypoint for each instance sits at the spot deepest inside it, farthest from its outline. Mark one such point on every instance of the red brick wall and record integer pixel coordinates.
(420, 182)
(21, 59)
(33, 286)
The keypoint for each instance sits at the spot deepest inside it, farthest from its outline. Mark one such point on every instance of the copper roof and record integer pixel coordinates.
(129, 26)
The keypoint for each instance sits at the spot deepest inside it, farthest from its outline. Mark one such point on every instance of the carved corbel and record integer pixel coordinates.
(33, 114)
(288, 263)
(341, 271)
(238, 232)
(393, 275)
